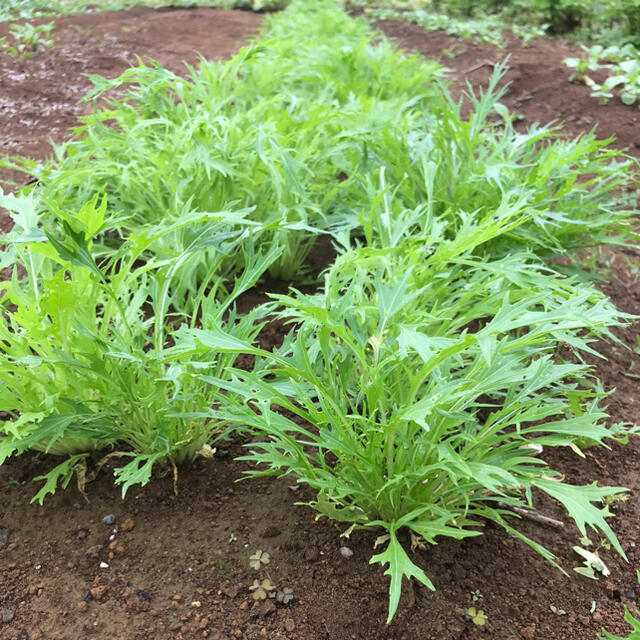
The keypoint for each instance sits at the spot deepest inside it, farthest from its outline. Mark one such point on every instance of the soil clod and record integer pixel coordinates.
(7, 615)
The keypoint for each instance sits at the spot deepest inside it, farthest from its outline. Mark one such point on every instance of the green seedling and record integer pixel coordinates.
(262, 589)
(593, 564)
(623, 65)
(612, 502)
(559, 612)
(582, 65)
(265, 588)
(284, 596)
(28, 39)
(476, 595)
(258, 560)
(478, 617)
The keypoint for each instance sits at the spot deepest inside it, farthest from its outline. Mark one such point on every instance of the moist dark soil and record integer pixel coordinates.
(177, 567)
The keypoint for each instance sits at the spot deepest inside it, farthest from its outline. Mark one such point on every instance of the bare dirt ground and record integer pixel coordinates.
(178, 567)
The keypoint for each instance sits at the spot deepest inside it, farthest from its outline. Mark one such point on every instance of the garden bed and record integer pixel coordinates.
(178, 566)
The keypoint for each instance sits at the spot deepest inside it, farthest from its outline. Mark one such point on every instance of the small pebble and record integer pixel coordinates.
(104, 565)
(7, 616)
(270, 532)
(221, 454)
(97, 593)
(109, 520)
(311, 555)
(127, 525)
(528, 633)
(345, 552)
(630, 595)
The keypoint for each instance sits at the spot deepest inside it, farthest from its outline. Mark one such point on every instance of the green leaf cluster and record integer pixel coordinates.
(20, 9)
(416, 382)
(90, 351)
(283, 128)
(623, 66)
(595, 21)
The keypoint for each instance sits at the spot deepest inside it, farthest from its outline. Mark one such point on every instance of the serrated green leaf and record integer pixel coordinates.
(61, 474)
(578, 503)
(138, 471)
(400, 566)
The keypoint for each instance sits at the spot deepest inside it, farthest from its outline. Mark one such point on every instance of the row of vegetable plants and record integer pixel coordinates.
(442, 351)
(27, 9)
(595, 21)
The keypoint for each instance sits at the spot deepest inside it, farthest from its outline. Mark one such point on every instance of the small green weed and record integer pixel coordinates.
(259, 559)
(623, 65)
(28, 39)
(477, 616)
(262, 589)
(559, 612)
(593, 563)
(265, 588)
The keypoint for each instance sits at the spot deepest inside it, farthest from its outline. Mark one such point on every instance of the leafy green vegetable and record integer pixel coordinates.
(422, 379)
(399, 566)
(90, 355)
(413, 385)
(623, 66)
(279, 131)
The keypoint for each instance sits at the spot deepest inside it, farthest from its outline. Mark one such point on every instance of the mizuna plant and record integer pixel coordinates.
(88, 355)
(479, 166)
(280, 129)
(420, 380)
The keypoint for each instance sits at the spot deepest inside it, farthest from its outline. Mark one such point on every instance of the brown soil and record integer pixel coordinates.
(178, 567)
